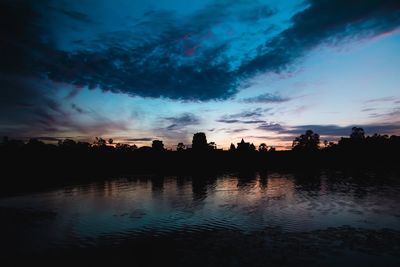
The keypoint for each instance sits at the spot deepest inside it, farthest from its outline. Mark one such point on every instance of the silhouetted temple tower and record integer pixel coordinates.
(199, 142)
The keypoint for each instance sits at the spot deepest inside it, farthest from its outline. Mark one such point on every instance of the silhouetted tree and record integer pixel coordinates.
(67, 143)
(157, 145)
(357, 133)
(307, 141)
(199, 141)
(34, 142)
(180, 147)
(325, 143)
(212, 145)
(110, 141)
(262, 147)
(232, 147)
(122, 147)
(252, 147)
(100, 142)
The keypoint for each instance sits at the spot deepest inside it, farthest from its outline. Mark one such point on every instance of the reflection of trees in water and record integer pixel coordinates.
(308, 180)
(157, 183)
(263, 179)
(180, 182)
(200, 185)
(245, 178)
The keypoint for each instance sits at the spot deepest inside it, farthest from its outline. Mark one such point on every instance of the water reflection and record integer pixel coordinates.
(160, 205)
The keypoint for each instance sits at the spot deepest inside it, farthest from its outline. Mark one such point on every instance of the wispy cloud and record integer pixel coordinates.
(331, 130)
(181, 121)
(266, 98)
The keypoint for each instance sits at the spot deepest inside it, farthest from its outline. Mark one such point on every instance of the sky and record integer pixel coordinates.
(136, 71)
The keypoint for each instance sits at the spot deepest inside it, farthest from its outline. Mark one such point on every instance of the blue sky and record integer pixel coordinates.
(136, 71)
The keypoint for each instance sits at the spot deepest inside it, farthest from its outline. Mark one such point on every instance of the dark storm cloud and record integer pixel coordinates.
(258, 13)
(28, 107)
(165, 58)
(266, 98)
(324, 21)
(79, 16)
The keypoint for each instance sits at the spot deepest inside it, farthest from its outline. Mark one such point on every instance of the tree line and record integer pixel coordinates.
(309, 141)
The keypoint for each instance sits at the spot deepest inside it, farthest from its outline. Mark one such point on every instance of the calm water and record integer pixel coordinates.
(155, 206)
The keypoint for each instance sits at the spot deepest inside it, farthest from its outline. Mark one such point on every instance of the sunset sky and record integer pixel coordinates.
(136, 71)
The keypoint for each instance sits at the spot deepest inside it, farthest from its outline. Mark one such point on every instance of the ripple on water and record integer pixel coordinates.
(143, 206)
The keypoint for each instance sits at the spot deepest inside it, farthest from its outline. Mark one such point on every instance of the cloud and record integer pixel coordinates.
(384, 99)
(141, 139)
(253, 121)
(182, 121)
(324, 22)
(391, 114)
(79, 16)
(368, 109)
(274, 127)
(151, 61)
(49, 138)
(240, 121)
(228, 121)
(77, 108)
(331, 130)
(236, 130)
(257, 13)
(247, 116)
(266, 98)
(150, 58)
(247, 113)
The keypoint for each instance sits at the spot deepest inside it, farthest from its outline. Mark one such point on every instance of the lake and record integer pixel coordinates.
(208, 213)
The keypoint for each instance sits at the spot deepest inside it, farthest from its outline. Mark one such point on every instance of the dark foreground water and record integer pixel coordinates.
(257, 219)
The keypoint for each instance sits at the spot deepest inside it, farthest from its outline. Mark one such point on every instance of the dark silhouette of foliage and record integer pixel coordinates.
(100, 142)
(212, 145)
(308, 141)
(357, 133)
(252, 147)
(262, 147)
(180, 147)
(157, 145)
(232, 147)
(68, 157)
